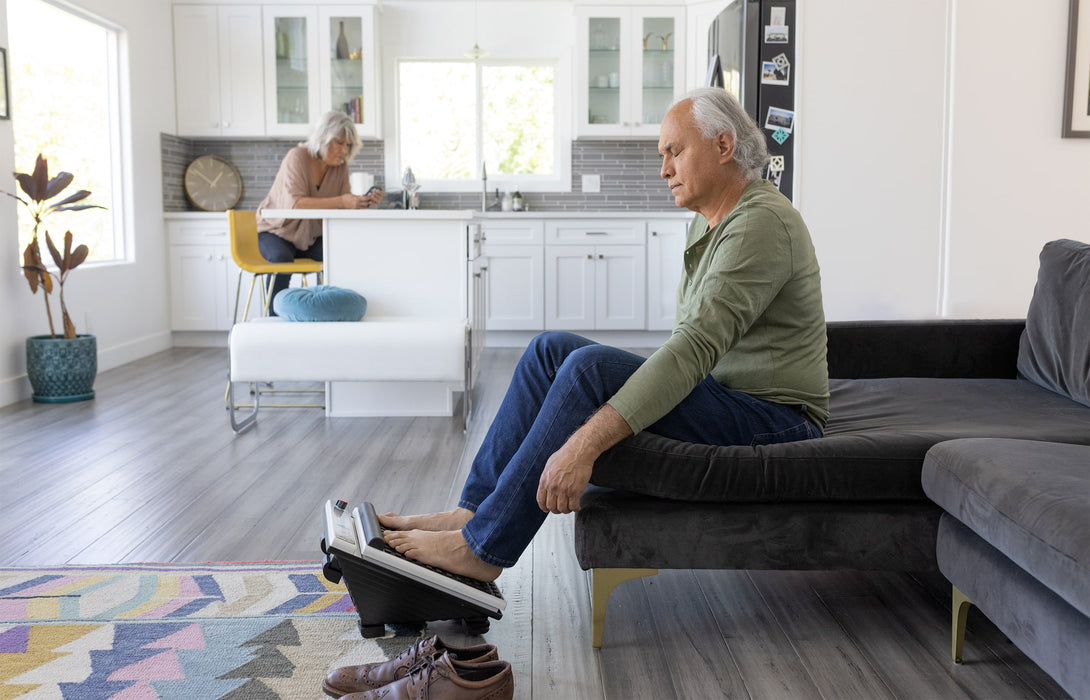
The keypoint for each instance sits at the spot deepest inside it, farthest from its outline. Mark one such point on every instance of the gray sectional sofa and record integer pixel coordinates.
(852, 499)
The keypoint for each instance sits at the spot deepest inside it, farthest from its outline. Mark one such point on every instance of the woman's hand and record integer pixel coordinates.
(351, 201)
(375, 194)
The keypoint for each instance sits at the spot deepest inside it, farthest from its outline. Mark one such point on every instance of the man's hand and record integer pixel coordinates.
(568, 470)
(566, 475)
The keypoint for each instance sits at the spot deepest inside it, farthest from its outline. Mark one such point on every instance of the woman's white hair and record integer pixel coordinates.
(715, 110)
(332, 125)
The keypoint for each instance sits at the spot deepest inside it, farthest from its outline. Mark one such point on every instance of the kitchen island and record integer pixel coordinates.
(412, 265)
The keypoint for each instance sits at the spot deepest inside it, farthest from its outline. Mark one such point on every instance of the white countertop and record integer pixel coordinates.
(434, 214)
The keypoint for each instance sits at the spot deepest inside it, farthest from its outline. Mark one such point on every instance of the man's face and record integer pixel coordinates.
(692, 165)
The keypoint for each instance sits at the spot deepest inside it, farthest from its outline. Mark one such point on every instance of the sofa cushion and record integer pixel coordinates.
(320, 303)
(1055, 348)
(1028, 499)
(873, 448)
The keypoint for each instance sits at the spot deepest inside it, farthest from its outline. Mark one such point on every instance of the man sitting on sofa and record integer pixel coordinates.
(745, 364)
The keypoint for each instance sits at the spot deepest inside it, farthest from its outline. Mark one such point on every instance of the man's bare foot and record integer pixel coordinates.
(447, 550)
(433, 522)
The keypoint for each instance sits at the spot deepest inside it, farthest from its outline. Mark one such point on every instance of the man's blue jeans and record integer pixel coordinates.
(560, 381)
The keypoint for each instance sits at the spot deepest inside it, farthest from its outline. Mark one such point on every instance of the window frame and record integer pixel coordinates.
(117, 108)
(559, 181)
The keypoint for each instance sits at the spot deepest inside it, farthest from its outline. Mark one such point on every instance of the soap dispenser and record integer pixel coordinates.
(507, 203)
(516, 201)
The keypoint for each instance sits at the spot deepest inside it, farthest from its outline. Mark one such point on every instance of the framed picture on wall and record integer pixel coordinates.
(5, 104)
(1077, 83)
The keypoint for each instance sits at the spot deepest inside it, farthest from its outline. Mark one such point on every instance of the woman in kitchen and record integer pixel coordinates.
(313, 175)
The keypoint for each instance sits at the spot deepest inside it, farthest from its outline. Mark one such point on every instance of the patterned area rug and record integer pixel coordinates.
(130, 632)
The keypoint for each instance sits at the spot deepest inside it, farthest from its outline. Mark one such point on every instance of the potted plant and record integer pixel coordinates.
(61, 369)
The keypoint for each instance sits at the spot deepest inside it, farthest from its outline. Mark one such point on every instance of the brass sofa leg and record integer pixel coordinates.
(602, 583)
(960, 613)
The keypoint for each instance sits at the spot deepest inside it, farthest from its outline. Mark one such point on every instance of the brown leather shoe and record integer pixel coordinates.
(355, 679)
(444, 679)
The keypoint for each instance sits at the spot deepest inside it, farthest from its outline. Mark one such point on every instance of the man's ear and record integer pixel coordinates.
(724, 142)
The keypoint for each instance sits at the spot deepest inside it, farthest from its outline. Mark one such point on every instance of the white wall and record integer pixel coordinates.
(931, 168)
(124, 305)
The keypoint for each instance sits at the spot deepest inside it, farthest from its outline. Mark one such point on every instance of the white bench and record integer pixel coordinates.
(393, 355)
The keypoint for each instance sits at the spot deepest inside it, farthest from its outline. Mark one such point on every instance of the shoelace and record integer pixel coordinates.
(421, 673)
(413, 657)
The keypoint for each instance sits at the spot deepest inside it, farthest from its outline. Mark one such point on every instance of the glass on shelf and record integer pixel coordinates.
(658, 68)
(292, 81)
(604, 70)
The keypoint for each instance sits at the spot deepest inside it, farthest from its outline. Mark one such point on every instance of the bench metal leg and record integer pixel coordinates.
(251, 418)
(959, 615)
(602, 583)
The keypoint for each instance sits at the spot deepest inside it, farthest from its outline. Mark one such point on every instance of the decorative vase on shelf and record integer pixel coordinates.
(342, 44)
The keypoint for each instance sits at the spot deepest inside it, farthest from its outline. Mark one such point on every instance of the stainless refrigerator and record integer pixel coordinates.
(751, 53)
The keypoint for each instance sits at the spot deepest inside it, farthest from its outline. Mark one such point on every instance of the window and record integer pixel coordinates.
(66, 105)
(452, 115)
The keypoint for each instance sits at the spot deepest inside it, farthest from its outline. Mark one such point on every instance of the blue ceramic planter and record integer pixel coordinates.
(62, 370)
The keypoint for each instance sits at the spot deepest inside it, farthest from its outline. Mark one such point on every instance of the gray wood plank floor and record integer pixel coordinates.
(150, 471)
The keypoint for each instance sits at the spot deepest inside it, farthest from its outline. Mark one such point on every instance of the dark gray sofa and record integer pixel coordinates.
(852, 499)
(1014, 537)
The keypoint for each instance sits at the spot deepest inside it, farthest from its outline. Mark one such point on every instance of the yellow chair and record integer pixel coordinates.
(243, 228)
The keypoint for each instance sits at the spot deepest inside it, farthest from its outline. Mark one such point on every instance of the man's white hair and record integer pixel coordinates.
(715, 110)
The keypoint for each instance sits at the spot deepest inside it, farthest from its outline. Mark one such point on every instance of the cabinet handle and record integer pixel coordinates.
(654, 233)
(597, 233)
(601, 257)
(590, 257)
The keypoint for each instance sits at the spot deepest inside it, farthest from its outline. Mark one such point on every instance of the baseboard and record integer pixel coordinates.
(199, 339)
(14, 389)
(118, 355)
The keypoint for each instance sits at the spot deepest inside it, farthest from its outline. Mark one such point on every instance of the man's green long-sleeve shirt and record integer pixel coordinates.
(749, 312)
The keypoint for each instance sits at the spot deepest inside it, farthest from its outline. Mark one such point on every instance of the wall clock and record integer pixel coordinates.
(212, 183)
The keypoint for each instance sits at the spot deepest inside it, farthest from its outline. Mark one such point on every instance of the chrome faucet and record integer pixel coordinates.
(484, 187)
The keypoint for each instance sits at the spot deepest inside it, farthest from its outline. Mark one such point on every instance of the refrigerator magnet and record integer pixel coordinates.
(776, 34)
(776, 164)
(778, 16)
(780, 119)
(771, 74)
(775, 177)
(781, 61)
(779, 136)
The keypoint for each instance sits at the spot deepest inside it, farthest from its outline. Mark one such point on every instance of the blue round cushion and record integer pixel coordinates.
(319, 303)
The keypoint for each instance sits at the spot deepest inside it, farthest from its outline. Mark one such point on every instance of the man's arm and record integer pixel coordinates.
(568, 470)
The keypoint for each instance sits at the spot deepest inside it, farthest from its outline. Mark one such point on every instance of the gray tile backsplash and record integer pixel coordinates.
(629, 170)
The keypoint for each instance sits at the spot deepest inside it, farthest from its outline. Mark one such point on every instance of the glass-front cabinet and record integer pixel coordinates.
(348, 58)
(319, 58)
(631, 63)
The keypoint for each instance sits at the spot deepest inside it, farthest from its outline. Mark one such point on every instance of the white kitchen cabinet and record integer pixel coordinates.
(630, 68)
(219, 89)
(595, 287)
(203, 276)
(665, 256)
(319, 58)
(514, 295)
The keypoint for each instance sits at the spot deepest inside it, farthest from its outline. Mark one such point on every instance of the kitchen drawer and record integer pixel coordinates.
(529, 231)
(198, 232)
(596, 232)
